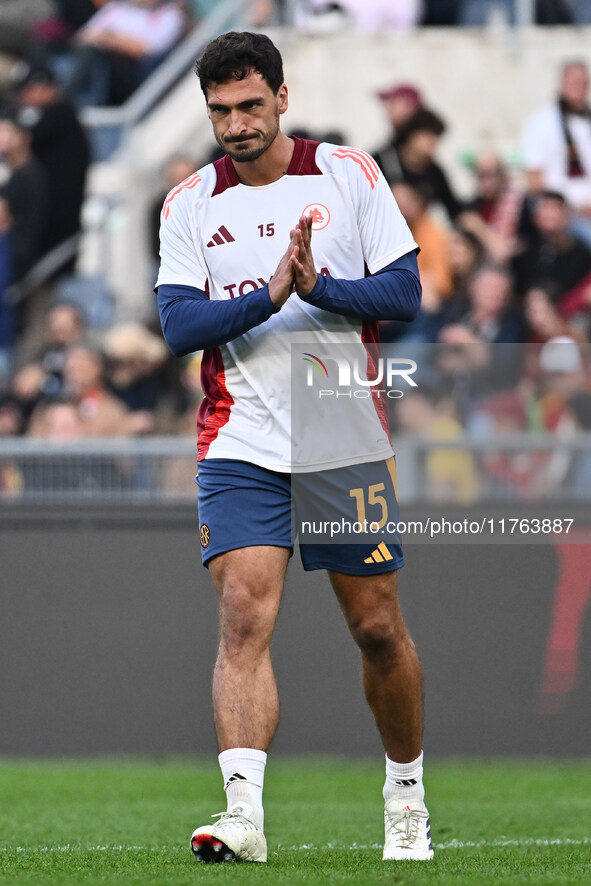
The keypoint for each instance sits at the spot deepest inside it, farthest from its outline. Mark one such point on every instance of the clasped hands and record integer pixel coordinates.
(296, 266)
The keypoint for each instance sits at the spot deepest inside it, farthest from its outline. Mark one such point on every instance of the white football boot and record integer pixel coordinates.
(233, 837)
(408, 831)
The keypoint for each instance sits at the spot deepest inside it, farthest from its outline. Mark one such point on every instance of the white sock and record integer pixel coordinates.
(243, 770)
(404, 780)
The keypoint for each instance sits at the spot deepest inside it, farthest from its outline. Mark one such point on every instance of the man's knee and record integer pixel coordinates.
(246, 618)
(381, 636)
(374, 634)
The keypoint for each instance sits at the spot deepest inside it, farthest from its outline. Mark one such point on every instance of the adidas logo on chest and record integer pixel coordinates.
(221, 236)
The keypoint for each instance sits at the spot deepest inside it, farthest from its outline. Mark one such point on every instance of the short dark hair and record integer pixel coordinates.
(422, 120)
(234, 55)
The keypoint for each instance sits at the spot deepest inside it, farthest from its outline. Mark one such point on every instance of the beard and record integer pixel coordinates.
(249, 149)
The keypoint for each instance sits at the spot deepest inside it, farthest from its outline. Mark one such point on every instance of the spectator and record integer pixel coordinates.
(556, 146)
(365, 15)
(135, 361)
(379, 15)
(54, 33)
(101, 413)
(23, 197)
(465, 256)
(434, 266)
(59, 143)
(495, 213)
(489, 315)
(543, 321)
(416, 145)
(120, 45)
(65, 326)
(44, 377)
(553, 253)
(400, 103)
(56, 420)
(433, 240)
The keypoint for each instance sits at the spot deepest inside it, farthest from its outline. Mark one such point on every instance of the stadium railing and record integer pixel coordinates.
(508, 468)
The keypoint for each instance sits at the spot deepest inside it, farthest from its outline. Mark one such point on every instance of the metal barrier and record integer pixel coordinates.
(123, 470)
(525, 468)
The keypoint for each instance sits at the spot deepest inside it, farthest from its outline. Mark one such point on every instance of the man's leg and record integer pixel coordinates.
(393, 684)
(392, 674)
(249, 582)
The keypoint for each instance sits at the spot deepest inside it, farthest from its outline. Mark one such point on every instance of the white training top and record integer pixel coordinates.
(262, 390)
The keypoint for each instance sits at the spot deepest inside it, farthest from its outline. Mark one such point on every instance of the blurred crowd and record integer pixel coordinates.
(56, 377)
(506, 272)
(126, 385)
(98, 50)
(322, 16)
(536, 395)
(513, 262)
(506, 279)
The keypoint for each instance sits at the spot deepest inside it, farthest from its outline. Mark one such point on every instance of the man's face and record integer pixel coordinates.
(82, 372)
(399, 109)
(37, 95)
(575, 85)
(245, 115)
(423, 144)
(63, 326)
(550, 216)
(490, 292)
(490, 177)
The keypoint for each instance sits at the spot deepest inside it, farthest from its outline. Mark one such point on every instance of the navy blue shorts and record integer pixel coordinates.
(345, 518)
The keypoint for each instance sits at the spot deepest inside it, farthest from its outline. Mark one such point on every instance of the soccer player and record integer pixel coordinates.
(287, 243)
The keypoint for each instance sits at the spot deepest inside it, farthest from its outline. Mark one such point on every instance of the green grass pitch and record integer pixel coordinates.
(129, 821)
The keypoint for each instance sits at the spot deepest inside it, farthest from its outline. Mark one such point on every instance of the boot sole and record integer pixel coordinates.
(210, 850)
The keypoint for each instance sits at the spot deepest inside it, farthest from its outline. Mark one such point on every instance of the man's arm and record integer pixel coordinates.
(392, 293)
(191, 322)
